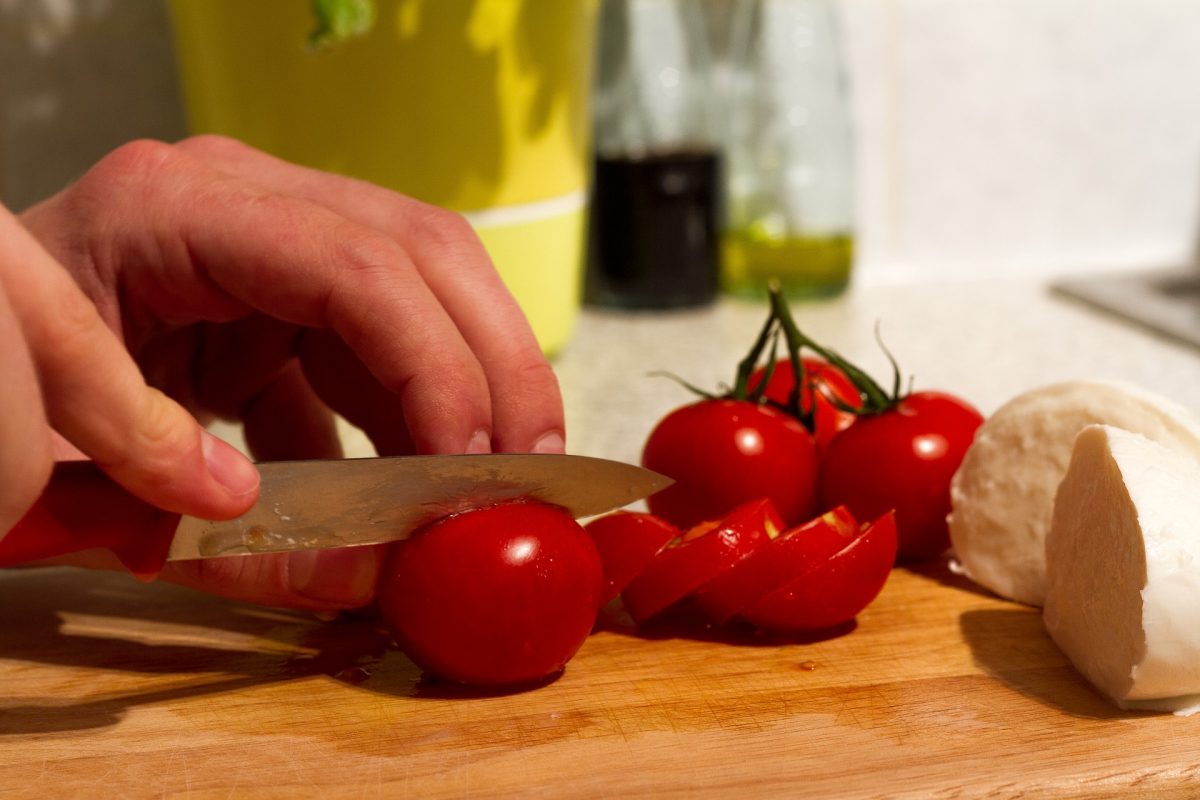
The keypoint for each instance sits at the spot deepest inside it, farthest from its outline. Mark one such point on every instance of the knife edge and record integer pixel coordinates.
(356, 502)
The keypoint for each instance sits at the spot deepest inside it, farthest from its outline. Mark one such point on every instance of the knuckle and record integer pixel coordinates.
(163, 433)
(124, 172)
(443, 229)
(140, 157)
(532, 373)
(160, 440)
(367, 253)
(213, 144)
(446, 379)
(76, 325)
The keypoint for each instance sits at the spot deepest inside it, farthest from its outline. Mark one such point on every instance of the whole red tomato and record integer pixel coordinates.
(492, 597)
(903, 459)
(827, 379)
(723, 453)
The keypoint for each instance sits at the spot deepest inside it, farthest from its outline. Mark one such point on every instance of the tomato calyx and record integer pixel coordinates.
(743, 387)
(751, 381)
(875, 398)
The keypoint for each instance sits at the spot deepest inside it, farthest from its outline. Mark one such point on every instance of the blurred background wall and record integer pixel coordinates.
(1026, 135)
(995, 137)
(78, 78)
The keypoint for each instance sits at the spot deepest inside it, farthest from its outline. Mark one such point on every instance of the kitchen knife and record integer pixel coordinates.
(313, 504)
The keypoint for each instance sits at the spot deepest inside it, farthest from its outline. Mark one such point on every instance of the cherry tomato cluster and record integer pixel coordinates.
(832, 437)
(794, 495)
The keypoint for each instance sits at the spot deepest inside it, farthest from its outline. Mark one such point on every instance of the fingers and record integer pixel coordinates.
(339, 378)
(286, 420)
(94, 395)
(25, 443)
(234, 243)
(236, 361)
(316, 580)
(247, 370)
(526, 405)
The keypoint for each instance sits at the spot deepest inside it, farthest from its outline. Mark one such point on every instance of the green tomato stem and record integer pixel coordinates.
(875, 397)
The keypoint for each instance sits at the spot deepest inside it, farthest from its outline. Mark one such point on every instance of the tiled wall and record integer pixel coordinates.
(1016, 136)
(77, 78)
(994, 136)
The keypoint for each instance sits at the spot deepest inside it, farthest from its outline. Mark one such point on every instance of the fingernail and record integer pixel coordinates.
(342, 577)
(230, 468)
(481, 442)
(551, 442)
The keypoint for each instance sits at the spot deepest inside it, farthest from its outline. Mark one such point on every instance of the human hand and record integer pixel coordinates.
(248, 288)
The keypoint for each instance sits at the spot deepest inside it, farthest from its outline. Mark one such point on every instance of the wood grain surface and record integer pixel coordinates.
(110, 688)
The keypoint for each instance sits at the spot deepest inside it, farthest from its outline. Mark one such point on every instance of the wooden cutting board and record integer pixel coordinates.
(109, 688)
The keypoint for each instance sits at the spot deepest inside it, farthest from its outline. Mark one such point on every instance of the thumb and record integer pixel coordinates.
(96, 397)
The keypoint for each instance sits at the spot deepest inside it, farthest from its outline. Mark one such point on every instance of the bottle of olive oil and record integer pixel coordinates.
(788, 149)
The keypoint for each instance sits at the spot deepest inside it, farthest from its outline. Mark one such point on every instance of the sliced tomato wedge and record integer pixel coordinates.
(786, 557)
(628, 541)
(694, 559)
(836, 591)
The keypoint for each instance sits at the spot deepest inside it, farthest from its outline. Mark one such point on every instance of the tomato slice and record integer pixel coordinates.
(833, 592)
(694, 559)
(789, 555)
(627, 542)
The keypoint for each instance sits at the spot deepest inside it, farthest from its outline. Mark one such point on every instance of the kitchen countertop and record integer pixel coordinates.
(985, 341)
(109, 688)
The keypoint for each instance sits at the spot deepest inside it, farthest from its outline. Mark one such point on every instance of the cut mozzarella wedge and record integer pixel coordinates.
(1002, 496)
(1123, 570)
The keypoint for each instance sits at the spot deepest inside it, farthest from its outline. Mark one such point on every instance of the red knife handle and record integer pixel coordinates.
(82, 508)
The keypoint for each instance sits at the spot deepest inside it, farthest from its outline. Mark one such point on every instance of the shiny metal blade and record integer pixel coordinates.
(348, 502)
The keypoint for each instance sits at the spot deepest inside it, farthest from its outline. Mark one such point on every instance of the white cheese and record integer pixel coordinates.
(1003, 493)
(1123, 570)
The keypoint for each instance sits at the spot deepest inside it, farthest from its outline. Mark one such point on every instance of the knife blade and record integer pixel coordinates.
(314, 504)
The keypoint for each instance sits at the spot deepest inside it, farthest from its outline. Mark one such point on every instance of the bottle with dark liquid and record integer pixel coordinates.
(653, 234)
(653, 237)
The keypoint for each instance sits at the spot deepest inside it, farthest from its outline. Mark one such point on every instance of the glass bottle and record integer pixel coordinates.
(654, 220)
(788, 146)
